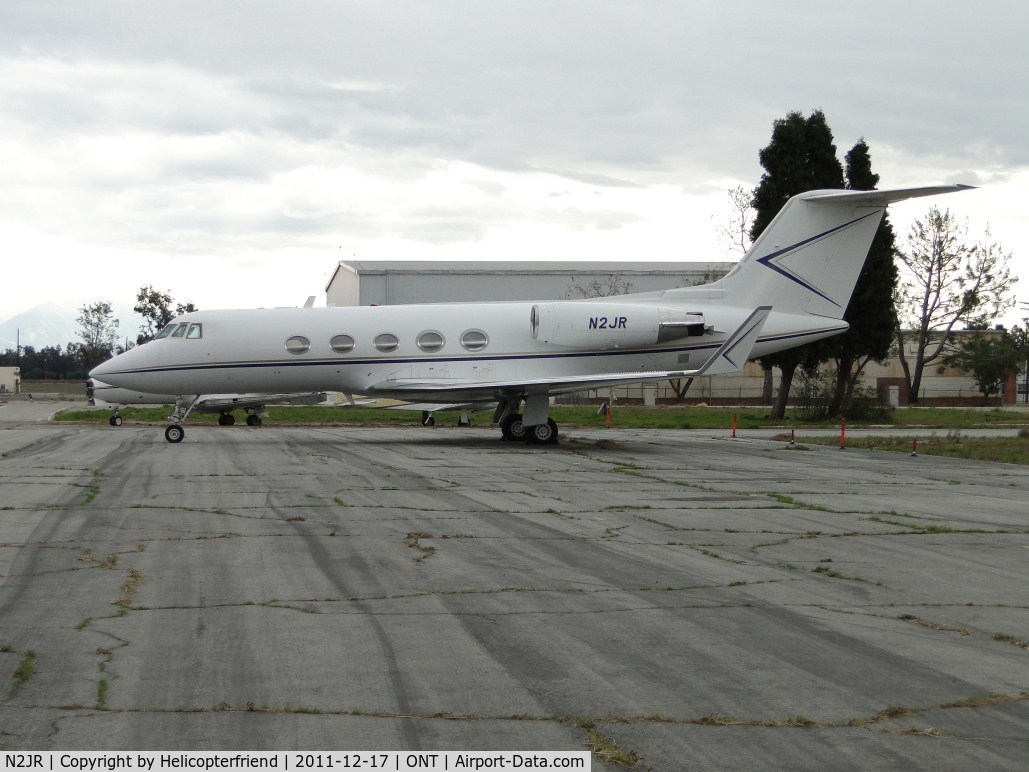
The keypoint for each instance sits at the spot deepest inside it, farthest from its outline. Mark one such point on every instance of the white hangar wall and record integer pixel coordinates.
(362, 283)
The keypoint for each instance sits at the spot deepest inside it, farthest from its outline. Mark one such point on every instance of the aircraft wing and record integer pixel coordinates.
(217, 402)
(438, 407)
(730, 357)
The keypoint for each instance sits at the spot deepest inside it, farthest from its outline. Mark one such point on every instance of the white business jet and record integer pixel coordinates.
(100, 394)
(791, 288)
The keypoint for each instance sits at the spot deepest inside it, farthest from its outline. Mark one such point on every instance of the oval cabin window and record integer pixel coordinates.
(341, 344)
(387, 341)
(430, 340)
(474, 340)
(298, 344)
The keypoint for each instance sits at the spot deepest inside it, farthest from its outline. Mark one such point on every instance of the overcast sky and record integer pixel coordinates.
(232, 152)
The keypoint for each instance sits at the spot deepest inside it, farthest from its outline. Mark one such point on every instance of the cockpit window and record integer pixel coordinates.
(180, 330)
(195, 332)
(168, 329)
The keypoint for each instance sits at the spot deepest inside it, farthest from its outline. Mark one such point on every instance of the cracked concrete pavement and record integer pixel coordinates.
(688, 599)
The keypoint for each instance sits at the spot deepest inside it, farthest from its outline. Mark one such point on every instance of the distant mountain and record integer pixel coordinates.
(50, 324)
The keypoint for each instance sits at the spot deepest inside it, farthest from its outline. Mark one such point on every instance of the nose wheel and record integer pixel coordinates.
(174, 433)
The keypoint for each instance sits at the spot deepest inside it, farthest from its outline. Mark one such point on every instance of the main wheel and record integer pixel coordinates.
(512, 427)
(253, 420)
(543, 434)
(116, 420)
(226, 419)
(174, 433)
(428, 419)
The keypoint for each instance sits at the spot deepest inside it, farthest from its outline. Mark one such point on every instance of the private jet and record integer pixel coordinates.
(790, 288)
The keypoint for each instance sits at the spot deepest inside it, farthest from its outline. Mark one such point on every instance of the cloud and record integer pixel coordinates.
(228, 136)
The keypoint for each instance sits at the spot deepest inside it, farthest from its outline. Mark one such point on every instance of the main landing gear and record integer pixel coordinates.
(514, 429)
(428, 419)
(228, 419)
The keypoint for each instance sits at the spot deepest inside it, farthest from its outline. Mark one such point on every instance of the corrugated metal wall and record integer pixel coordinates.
(382, 284)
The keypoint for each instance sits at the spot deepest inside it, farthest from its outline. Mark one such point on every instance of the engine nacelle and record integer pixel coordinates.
(602, 326)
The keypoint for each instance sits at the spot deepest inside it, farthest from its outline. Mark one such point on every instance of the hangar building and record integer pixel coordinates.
(387, 282)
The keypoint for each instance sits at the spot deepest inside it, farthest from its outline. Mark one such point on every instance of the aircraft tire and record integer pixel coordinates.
(226, 419)
(543, 434)
(174, 433)
(253, 420)
(116, 420)
(512, 428)
(428, 419)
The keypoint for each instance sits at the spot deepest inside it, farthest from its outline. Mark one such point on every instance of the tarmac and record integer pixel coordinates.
(688, 600)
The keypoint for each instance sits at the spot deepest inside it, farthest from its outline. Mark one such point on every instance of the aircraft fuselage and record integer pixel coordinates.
(365, 349)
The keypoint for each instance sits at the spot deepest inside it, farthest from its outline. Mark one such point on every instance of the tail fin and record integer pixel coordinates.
(809, 257)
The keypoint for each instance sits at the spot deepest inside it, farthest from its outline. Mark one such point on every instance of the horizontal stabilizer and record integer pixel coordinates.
(880, 197)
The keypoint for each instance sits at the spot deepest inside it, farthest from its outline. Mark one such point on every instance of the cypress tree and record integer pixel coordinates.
(801, 156)
(871, 312)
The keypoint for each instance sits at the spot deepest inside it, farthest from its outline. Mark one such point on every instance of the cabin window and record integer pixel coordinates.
(474, 340)
(168, 330)
(342, 344)
(430, 340)
(298, 344)
(387, 341)
(180, 330)
(195, 332)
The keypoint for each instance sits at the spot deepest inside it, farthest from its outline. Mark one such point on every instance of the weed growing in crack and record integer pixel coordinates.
(932, 625)
(128, 588)
(1010, 639)
(608, 751)
(26, 668)
(413, 541)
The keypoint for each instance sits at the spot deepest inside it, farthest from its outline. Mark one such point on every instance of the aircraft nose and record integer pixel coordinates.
(102, 369)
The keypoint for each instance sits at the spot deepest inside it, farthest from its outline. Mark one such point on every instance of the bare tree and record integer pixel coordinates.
(735, 231)
(948, 283)
(597, 287)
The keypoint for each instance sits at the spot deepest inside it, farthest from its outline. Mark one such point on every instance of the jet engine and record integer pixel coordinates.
(602, 326)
